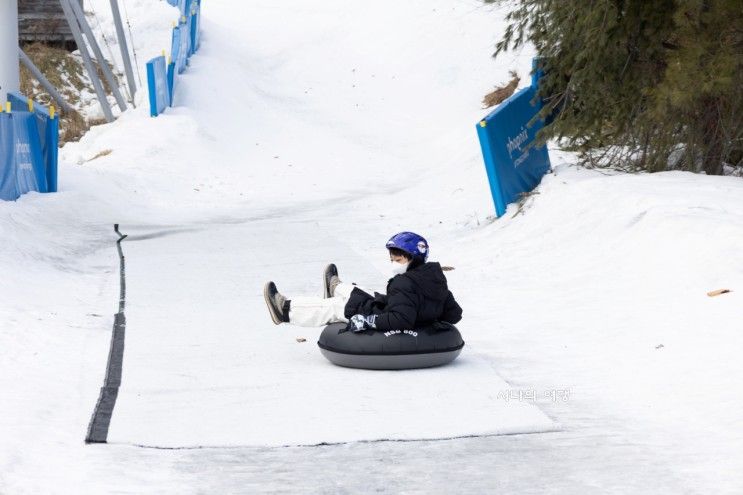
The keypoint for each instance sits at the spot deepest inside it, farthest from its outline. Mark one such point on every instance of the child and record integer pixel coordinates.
(417, 295)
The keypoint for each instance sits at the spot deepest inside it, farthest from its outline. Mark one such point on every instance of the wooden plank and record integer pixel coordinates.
(40, 6)
(718, 292)
(42, 20)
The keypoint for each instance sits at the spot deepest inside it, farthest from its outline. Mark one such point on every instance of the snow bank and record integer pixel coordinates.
(306, 135)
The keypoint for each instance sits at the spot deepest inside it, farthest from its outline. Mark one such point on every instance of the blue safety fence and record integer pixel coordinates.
(157, 85)
(513, 162)
(29, 141)
(184, 43)
(195, 20)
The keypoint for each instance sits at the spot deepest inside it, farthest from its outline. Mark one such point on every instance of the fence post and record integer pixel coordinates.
(102, 63)
(92, 73)
(124, 48)
(9, 70)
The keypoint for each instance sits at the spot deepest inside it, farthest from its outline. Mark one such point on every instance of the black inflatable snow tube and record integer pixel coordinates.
(423, 347)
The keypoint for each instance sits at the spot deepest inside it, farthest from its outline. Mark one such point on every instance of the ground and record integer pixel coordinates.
(586, 316)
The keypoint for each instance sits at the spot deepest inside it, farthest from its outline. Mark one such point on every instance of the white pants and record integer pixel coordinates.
(316, 312)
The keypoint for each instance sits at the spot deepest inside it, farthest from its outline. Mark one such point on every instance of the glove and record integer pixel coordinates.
(359, 323)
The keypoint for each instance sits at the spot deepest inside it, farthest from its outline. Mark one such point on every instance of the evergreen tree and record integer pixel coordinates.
(639, 84)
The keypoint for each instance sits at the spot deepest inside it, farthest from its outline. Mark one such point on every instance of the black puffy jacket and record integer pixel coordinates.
(414, 299)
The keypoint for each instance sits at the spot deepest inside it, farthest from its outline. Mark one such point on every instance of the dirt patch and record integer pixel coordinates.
(66, 72)
(500, 93)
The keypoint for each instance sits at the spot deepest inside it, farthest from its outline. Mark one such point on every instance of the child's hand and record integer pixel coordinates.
(359, 323)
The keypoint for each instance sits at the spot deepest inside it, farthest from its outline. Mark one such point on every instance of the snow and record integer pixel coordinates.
(149, 36)
(242, 370)
(306, 135)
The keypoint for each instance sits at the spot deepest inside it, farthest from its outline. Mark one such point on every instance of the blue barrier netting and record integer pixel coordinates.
(29, 143)
(157, 83)
(184, 43)
(513, 162)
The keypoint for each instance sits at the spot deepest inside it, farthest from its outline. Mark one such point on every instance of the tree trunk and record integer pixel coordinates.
(713, 142)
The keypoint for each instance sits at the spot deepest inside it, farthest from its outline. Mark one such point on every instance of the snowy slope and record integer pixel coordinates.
(358, 118)
(205, 367)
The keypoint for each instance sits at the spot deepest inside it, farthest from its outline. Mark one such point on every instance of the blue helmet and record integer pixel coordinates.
(411, 243)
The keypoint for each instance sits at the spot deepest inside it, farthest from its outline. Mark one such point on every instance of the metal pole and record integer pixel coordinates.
(102, 63)
(75, 28)
(124, 48)
(44, 81)
(9, 67)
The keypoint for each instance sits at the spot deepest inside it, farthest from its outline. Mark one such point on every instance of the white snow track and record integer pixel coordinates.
(205, 366)
(306, 133)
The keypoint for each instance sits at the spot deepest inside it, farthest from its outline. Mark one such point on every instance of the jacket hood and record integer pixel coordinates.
(430, 278)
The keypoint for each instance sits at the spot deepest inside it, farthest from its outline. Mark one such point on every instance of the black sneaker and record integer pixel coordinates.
(278, 305)
(330, 280)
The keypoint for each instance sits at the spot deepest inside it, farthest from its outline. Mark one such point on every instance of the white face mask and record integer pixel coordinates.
(398, 268)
